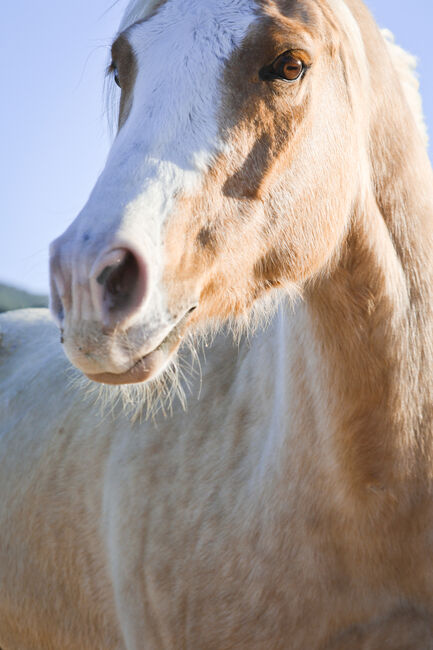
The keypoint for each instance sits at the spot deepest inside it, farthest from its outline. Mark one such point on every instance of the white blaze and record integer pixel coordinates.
(171, 132)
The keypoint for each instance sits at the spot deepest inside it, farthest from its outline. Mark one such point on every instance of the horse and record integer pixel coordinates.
(254, 267)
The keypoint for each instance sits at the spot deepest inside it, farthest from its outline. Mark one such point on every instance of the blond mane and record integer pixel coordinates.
(405, 65)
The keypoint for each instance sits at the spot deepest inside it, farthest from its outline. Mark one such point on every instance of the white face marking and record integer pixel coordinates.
(170, 134)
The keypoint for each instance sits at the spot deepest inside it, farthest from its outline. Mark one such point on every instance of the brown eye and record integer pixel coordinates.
(287, 66)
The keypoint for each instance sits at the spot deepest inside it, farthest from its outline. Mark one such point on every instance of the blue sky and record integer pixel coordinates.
(53, 127)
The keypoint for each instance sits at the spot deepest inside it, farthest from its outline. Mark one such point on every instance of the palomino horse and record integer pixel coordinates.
(268, 162)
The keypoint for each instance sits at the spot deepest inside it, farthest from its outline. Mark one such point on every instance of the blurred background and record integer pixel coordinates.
(53, 125)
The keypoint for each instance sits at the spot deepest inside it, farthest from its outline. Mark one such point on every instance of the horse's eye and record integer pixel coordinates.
(287, 66)
(115, 72)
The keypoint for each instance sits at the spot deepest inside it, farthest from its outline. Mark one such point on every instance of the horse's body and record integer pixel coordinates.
(198, 531)
(291, 504)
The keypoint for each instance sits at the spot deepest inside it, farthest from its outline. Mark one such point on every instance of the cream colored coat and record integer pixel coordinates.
(290, 505)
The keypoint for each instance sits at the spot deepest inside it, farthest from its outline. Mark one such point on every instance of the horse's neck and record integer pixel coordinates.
(350, 382)
(368, 363)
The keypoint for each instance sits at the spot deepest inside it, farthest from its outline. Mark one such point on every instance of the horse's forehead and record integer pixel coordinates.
(179, 10)
(171, 102)
(230, 16)
(188, 32)
(182, 47)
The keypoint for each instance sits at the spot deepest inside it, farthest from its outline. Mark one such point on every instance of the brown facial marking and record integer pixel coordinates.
(266, 214)
(124, 59)
(264, 115)
(206, 239)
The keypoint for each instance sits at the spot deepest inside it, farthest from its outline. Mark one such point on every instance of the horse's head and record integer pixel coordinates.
(241, 148)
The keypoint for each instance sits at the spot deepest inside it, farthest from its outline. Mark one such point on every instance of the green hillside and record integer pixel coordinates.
(12, 298)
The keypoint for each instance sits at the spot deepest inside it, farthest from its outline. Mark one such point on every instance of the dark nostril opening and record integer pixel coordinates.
(121, 283)
(103, 277)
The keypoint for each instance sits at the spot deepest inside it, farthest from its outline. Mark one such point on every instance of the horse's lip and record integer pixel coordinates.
(148, 365)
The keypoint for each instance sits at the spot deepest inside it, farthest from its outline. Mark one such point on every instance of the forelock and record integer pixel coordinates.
(138, 10)
(349, 24)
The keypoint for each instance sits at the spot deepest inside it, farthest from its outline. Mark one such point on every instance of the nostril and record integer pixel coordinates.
(123, 282)
(119, 282)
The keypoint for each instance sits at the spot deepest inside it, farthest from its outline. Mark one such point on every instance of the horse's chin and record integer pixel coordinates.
(146, 368)
(149, 366)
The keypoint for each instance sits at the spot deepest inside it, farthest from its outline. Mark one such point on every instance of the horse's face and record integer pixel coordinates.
(233, 172)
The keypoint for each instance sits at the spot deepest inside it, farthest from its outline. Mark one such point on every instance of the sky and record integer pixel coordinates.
(53, 125)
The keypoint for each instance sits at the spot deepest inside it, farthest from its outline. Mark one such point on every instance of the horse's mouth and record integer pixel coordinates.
(152, 363)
